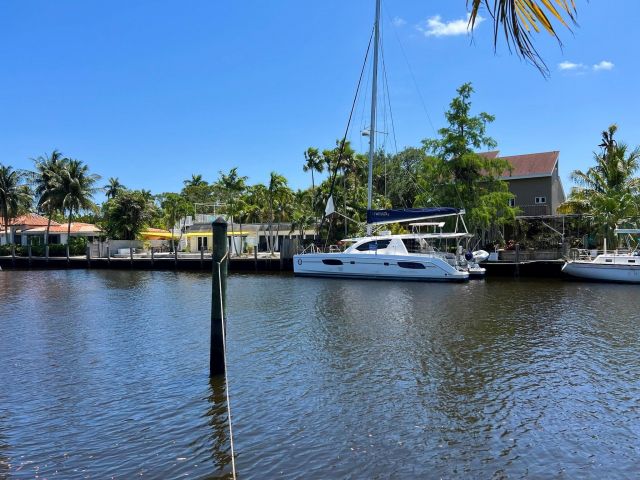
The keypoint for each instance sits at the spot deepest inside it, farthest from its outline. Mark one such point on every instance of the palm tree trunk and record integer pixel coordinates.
(46, 233)
(69, 226)
(5, 217)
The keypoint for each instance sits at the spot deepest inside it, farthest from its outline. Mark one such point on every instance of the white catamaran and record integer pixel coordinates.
(386, 256)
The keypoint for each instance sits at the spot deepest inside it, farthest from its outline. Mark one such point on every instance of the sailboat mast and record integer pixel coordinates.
(374, 97)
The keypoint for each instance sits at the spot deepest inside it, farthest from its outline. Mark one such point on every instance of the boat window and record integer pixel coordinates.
(631, 261)
(608, 260)
(332, 261)
(413, 265)
(374, 245)
(412, 245)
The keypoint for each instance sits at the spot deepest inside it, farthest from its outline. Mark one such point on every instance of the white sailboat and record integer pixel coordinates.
(384, 256)
(612, 266)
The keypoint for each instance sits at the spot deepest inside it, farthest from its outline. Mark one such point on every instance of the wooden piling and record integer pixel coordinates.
(218, 294)
(29, 249)
(152, 259)
(255, 257)
(67, 250)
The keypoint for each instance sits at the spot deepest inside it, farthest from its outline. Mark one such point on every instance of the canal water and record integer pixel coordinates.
(104, 374)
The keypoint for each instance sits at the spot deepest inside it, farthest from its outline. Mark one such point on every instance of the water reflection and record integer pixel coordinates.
(4, 446)
(217, 419)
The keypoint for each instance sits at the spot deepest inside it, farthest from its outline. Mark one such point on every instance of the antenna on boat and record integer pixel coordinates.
(374, 96)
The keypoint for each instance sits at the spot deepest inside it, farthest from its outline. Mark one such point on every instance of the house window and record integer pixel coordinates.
(541, 200)
(512, 202)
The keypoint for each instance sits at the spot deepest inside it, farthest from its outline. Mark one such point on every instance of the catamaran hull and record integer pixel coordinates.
(376, 267)
(603, 272)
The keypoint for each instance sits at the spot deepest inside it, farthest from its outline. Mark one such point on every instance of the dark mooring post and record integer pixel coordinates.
(218, 295)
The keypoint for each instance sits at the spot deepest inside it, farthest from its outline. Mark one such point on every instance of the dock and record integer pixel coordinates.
(266, 263)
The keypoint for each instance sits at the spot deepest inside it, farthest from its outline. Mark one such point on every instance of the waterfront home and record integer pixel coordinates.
(534, 181)
(30, 229)
(252, 235)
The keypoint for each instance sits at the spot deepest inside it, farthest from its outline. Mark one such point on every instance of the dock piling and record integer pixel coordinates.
(218, 294)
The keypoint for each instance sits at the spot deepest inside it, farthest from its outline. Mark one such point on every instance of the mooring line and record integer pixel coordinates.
(226, 378)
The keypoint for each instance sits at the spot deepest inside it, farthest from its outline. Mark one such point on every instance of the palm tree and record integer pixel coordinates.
(14, 195)
(45, 180)
(314, 163)
(76, 186)
(232, 186)
(114, 187)
(608, 191)
(195, 181)
(277, 184)
(518, 18)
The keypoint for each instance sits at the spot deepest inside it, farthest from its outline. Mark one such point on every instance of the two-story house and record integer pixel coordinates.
(534, 181)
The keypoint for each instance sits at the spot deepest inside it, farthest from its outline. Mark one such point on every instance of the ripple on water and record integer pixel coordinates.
(105, 374)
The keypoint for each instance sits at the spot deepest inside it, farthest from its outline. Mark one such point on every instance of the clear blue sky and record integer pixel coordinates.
(153, 91)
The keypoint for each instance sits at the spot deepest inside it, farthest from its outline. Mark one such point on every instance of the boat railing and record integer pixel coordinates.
(592, 253)
(312, 248)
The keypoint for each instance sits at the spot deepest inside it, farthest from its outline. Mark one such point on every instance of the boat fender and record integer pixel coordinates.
(468, 256)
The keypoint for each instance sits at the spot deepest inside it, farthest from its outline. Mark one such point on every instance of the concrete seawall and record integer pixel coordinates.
(533, 268)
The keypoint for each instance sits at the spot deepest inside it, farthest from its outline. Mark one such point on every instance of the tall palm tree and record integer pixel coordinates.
(608, 191)
(277, 184)
(232, 186)
(77, 187)
(314, 163)
(45, 180)
(518, 18)
(14, 195)
(114, 187)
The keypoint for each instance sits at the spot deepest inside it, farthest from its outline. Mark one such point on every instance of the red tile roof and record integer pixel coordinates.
(529, 165)
(31, 220)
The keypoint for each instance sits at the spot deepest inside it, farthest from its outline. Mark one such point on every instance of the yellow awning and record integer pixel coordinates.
(152, 235)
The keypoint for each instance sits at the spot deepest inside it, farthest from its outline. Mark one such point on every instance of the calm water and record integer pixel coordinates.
(104, 374)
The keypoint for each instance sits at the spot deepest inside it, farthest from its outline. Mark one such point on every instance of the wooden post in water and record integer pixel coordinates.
(88, 254)
(67, 250)
(218, 294)
(152, 259)
(255, 257)
(201, 257)
(29, 248)
(108, 255)
(13, 255)
(517, 269)
(46, 253)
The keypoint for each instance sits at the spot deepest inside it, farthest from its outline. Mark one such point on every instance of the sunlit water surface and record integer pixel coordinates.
(105, 374)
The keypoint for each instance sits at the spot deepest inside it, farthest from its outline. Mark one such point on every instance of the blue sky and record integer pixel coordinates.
(154, 91)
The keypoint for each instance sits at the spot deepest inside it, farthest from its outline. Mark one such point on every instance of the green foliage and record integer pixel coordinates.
(15, 195)
(608, 192)
(127, 214)
(456, 175)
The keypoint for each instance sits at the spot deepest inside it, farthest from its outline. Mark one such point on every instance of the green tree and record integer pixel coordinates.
(113, 188)
(127, 214)
(14, 195)
(314, 162)
(232, 186)
(175, 208)
(462, 177)
(608, 192)
(277, 191)
(76, 187)
(46, 180)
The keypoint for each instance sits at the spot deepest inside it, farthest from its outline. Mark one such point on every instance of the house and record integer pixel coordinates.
(30, 229)
(534, 181)
(199, 236)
